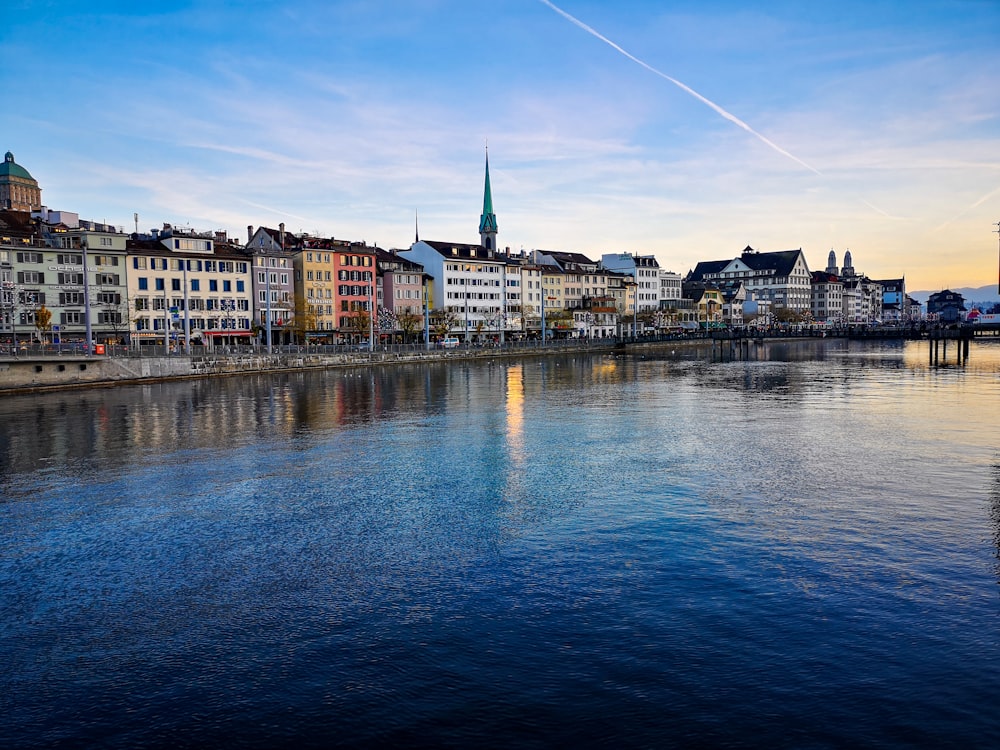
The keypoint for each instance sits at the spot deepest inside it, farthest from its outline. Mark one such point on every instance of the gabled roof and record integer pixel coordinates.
(707, 267)
(578, 259)
(781, 263)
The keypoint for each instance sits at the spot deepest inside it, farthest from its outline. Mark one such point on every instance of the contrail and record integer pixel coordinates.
(977, 204)
(732, 118)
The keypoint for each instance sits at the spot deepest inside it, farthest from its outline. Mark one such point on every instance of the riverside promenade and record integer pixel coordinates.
(39, 369)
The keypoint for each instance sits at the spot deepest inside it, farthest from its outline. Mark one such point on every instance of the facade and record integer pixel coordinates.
(467, 283)
(313, 273)
(897, 307)
(272, 281)
(192, 287)
(645, 273)
(946, 307)
(826, 299)
(782, 277)
(401, 296)
(19, 191)
(670, 289)
(46, 280)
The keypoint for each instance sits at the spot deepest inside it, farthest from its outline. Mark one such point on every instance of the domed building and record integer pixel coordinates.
(19, 191)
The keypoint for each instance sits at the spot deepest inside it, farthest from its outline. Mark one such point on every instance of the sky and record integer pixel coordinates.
(684, 130)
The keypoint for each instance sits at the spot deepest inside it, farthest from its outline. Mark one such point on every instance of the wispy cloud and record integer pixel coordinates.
(684, 87)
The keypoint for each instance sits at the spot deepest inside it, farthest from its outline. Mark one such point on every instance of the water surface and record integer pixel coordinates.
(797, 549)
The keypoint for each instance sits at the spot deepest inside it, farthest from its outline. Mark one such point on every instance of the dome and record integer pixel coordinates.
(10, 168)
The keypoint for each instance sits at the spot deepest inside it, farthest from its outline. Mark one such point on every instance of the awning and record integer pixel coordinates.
(227, 333)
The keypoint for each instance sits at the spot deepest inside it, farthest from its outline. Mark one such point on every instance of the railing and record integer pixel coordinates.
(35, 349)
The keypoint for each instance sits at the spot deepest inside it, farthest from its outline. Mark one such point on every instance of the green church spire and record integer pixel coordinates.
(488, 221)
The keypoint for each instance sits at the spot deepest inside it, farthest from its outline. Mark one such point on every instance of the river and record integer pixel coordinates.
(795, 549)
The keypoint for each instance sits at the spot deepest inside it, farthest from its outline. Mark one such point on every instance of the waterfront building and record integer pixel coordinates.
(314, 318)
(826, 297)
(189, 286)
(467, 282)
(400, 294)
(524, 292)
(946, 307)
(645, 274)
(335, 290)
(19, 191)
(272, 279)
(897, 306)
(782, 277)
(706, 304)
(44, 292)
(670, 289)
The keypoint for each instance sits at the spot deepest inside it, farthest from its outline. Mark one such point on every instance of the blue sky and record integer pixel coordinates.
(869, 126)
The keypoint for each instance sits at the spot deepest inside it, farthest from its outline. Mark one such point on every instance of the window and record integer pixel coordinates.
(69, 260)
(109, 298)
(110, 279)
(70, 278)
(175, 285)
(29, 257)
(213, 285)
(139, 263)
(70, 298)
(143, 283)
(160, 286)
(195, 285)
(30, 277)
(240, 285)
(72, 317)
(227, 285)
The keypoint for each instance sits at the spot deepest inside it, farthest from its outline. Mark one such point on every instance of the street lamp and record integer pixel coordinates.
(228, 306)
(86, 300)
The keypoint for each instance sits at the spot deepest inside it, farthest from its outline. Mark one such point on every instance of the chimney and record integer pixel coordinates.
(249, 233)
(281, 229)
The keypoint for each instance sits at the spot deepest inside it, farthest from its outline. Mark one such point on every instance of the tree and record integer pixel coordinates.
(115, 314)
(409, 323)
(43, 320)
(304, 320)
(359, 323)
(442, 321)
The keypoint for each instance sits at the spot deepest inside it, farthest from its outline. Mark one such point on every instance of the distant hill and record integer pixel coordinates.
(982, 294)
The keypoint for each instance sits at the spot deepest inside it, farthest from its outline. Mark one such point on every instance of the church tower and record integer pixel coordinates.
(488, 221)
(831, 264)
(848, 264)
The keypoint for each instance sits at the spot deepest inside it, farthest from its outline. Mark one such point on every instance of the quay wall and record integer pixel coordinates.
(27, 374)
(51, 371)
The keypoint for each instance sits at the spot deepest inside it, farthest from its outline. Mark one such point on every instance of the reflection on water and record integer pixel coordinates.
(794, 548)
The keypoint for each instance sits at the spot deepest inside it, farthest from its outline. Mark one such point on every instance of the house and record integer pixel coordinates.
(645, 274)
(782, 278)
(946, 307)
(273, 284)
(185, 286)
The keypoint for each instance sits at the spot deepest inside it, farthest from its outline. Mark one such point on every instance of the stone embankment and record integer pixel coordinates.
(35, 373)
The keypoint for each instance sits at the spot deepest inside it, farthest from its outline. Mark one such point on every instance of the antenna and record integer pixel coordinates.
(135, 217)
(997, 232)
